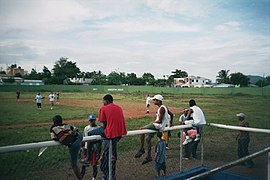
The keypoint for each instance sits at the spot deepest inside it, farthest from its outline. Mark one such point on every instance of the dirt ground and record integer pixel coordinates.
(133, 110)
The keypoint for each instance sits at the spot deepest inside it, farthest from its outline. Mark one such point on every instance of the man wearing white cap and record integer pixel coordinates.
(243, 140)
(164, 118)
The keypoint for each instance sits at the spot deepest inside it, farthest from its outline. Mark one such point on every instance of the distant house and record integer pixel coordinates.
(192, 81)
(222, 85)
(83, 81)
(15, 71)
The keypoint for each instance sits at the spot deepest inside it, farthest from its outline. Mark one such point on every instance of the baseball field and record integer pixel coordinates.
(21, 122)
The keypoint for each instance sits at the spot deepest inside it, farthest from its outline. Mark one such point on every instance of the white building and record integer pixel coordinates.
(85, 81)
(192, 81)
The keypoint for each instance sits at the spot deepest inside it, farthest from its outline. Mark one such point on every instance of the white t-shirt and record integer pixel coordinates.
(198, 116)
(86, 130)
(51, 96)
(165, 121)
(38, 98)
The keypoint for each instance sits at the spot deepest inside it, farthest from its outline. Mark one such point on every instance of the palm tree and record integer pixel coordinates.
(223, 76)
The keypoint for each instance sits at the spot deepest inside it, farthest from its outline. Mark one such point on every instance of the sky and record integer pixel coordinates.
(200, 37)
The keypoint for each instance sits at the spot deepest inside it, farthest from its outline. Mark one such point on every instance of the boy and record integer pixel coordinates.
(70, 136)
(51, 97)
(160, 155)
(147, 103)
(92, 149)
(38, 99)
(198, 120)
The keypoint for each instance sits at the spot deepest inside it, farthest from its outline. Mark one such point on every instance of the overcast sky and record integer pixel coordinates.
(200, 37)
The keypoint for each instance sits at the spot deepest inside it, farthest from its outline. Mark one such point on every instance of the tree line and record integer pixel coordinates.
(64, 69)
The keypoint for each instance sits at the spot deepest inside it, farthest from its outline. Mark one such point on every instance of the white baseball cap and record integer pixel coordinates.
(158, 97)
(241, 115)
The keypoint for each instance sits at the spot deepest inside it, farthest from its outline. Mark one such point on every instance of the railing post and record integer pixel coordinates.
(181, 149)
(269, 165)
(110, 160)
(202, 153)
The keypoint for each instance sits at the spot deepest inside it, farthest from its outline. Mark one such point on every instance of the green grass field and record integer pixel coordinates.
(217, 108)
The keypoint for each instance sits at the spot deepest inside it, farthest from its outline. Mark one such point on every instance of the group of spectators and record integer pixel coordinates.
(112, 127)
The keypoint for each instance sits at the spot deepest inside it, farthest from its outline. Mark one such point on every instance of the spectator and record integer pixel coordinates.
(198, 120)
(18, 93)
(164, 118)
(148, 99)
(70, 136)
(160, 155)
(191, 146)
(243, 140)
(91, 150)
(113, 127)
(51, 97)
(38, 99)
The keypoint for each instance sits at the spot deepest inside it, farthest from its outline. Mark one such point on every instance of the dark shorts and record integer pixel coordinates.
(39, 105)
(160, 166)
(151, 127)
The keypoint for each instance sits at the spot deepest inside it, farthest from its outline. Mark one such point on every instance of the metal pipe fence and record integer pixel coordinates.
(128, 167)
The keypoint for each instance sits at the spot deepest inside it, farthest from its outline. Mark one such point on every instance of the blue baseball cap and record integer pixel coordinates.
(91, 117)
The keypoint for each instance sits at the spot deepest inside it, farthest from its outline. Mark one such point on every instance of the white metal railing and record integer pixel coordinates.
(43, 145)
(39, 145)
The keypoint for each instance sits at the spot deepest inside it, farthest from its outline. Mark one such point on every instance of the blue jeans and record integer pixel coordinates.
(97, 131)
(74, 149)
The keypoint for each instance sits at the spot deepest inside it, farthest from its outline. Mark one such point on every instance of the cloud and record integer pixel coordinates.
(156, 36)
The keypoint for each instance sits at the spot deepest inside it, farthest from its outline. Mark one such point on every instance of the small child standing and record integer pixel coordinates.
(51, 97)
(70, 136)
(92, 149)
(160, 155)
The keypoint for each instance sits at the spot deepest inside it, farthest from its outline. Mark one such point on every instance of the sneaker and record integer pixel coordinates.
(185, 158)
(147, 160)
(187, 140)
(167, 148)
(139, 153)
(197, 138)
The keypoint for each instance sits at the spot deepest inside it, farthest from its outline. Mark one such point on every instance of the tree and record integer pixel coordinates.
(33, 75)
(46, 75)
(223, 76)
(116, 78)
(239, 79)
(98, 77)
(13, 66)
(263, 82)
(64, 69)
(148, 78)
(179, 74)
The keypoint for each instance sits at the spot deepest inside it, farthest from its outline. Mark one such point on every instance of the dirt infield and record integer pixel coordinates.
(131, 110)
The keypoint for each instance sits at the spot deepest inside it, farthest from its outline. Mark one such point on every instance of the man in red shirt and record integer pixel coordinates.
(113, 127)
